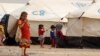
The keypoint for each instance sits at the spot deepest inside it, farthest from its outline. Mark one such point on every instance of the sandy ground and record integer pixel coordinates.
(35, 50)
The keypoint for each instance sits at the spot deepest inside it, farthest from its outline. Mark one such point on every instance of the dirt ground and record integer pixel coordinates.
(35, 50)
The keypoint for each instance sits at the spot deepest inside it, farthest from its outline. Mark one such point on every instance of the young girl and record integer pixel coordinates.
(2, 35)
(25, 32)
(53, 36)
(41, 32)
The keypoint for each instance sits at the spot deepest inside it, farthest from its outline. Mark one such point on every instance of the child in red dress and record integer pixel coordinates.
(41, 32)
(25, 32)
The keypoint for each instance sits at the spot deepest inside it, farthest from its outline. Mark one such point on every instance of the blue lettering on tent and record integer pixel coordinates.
(34, 12)
(40, 12)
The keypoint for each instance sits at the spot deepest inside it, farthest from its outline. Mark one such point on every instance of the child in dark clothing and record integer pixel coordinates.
(59, 32)
(53, 36)
(60, 36)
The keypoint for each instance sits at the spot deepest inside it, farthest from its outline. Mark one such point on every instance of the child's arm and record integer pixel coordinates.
(20, 24)
(4, 38)
(43, 30)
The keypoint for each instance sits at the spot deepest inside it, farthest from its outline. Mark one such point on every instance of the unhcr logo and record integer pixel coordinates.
(40, 12)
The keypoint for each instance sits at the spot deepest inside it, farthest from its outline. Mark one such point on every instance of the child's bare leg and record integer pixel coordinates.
(55, 43)
(22, 51)
(52, 43)
(42, 43)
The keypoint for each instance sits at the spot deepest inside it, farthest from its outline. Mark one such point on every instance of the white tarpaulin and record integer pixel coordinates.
(91, 21)
(9, 7)
(91, 27)
(74, 27)
(88, 24)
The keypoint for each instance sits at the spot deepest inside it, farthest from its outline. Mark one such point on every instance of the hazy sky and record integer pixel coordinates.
(13, 1)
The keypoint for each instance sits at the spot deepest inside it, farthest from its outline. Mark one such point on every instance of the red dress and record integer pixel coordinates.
(25, 32)
(41, 31)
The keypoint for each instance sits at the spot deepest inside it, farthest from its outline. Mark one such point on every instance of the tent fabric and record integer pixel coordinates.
(74, 27)
(93, 11)
(91, 27)
(91, 21)
(85, 26)
(9, 7)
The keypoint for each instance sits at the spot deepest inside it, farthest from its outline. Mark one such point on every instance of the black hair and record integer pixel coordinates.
(40, 26)
(53, 27)
(23, 13)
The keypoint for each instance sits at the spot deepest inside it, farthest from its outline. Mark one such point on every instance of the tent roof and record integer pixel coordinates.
(81, 5)
(93, 11)
(9, 7)
(59, 8)
(34, 14)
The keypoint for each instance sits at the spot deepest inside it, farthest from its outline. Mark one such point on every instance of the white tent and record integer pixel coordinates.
(75, 25)
(52, 14)
(87, 25)
(91, 21)
(38, 13)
